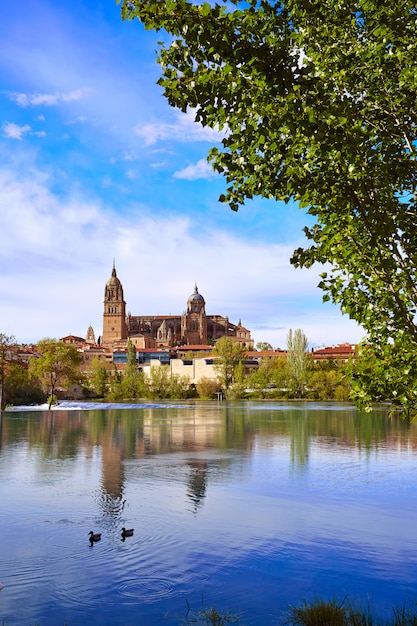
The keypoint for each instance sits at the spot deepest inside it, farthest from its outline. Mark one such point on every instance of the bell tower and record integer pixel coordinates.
(114, 316)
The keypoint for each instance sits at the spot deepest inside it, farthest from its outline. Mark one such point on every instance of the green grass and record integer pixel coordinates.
(334, 613)
(319, 612)
(209, 616)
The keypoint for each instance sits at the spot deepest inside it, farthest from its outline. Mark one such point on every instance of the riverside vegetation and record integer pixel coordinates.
(58, 367)
(317, 613)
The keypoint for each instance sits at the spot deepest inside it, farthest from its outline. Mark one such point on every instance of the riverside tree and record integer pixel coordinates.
(317, 103)
(99, 376)
(18, 388)
(133, 384)
(6, 343)
(57, 365)
(230, 354)
(298, 360)
(263, 346)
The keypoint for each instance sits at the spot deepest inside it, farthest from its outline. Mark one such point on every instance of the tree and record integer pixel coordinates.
(260, 379)
(18, 389)
(397, 383)
(158, 381)
(99, 377)
(230, 354)
(133, 384)
(263, 346)
(327, 384)
(317, 103)
(297, 359)
(179, 387)
(131, 356)
(57, 365)
(6, 343)
(116, 388)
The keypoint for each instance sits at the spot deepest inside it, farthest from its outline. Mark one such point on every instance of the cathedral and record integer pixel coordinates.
(194, 327)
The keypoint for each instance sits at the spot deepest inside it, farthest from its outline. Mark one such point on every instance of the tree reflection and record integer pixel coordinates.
(118, 435)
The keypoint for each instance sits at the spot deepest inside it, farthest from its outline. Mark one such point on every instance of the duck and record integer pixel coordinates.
(94, 536)
(127, 532)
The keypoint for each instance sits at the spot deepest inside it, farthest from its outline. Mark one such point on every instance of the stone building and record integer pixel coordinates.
(192, 327)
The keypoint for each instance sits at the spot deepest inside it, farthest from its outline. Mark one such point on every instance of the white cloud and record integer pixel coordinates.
(201, 169)
(130, 155)
(77, 94)
(56, 251)
(47, 99)
(14, 131)
(56, 256)
(76, 120)
(184, 129)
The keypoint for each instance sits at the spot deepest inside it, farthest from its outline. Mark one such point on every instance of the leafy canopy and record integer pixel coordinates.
(298, 359)
(230, 354)
(317, 102)
(57, 365)
(6, 344)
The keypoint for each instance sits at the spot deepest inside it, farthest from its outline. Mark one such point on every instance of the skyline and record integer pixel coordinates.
(96, 166)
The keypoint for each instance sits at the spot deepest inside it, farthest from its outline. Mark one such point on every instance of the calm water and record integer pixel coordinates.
(245, 507)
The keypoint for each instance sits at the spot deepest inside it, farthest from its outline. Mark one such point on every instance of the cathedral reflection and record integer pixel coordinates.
(197, 483)
(112, 478)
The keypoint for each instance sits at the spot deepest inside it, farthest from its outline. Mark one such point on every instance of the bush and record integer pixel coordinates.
(236, 391)
(321, 613)
(19, 389)
(179, 387)
(208, 388)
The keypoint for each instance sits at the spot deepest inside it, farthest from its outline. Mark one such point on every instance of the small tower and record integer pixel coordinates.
(90, 337)
(114, 316)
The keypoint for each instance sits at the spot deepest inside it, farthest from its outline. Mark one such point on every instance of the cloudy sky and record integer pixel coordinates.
(95, 166)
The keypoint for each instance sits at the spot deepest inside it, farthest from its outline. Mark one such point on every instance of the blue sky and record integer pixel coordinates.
(95, 166)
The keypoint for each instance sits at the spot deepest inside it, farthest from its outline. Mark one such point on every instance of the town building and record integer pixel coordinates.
(194, 327)
(343, 352)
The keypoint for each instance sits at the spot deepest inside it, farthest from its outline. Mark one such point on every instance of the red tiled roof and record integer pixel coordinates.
(339, 351)
(194, 347)
(266, 353)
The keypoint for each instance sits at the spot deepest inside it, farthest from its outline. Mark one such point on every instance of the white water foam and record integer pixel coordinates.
(67, 405)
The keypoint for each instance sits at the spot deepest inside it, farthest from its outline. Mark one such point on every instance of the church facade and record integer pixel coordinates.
(193, 327)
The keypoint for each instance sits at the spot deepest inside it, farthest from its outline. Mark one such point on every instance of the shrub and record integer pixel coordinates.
(208, 388)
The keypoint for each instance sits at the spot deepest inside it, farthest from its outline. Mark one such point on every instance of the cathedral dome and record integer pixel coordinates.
(196, 303)
(195, 297)
(113, 280)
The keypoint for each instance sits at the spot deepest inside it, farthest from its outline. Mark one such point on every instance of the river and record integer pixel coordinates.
(249, 507)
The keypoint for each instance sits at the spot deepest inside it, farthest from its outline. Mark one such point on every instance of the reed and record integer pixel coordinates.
(209, 616)
(334, 613)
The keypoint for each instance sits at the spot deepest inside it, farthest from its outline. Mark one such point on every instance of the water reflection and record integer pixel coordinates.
(261, 504)
(123, 434)
(197, 483)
